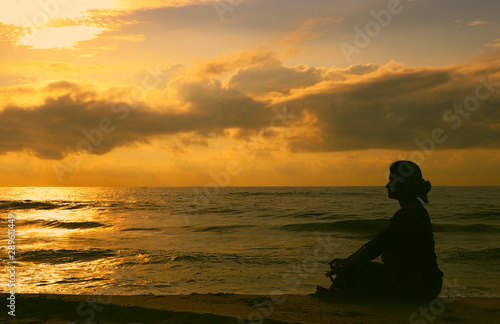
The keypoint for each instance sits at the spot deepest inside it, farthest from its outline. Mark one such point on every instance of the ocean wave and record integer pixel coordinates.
(376, 225)
(115, 204)
(279, 193)
(27, 204)
(77, 206)
(484, 256)
(197, 258)
(198, 210)
(353, 194)
(259, 193)
(357, 225)
(306, 214)
(219, 211)
(64, 256)
(58, 224)
(223, 228)
(486, 214)
(13, 205)
(147, 205)
(69, 281)
(209, 258)
(141, 229)
(468, 228)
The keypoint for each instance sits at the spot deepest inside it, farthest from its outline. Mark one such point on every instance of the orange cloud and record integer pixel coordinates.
(231, 61)
(476, 23)
(361, 107)
(309, 30)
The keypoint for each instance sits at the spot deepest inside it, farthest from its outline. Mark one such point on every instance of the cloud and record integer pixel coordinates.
(231, 61)
(360, 69)
(157, 76)
(16, 74)
(273, 76)
(335, 109)
(11, 32)
(476, 23)
(155, 4)
(57, 127)
(310, 29)
(494, 44)
(397, 106)
(470, 23)
(57, 37)
(264, 58)
(64, 25)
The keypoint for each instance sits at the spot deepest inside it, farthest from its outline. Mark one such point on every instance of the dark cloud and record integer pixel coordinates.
(57, 127)
(395, 109)
(360, 107)
(218, 66)
(274, 77)
(361, 69)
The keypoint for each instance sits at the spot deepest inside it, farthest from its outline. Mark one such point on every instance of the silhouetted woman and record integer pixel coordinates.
(409, 270)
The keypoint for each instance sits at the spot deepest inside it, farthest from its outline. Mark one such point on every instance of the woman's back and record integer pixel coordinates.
(411, 248)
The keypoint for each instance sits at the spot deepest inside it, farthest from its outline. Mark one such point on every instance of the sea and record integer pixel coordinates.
(241, 240)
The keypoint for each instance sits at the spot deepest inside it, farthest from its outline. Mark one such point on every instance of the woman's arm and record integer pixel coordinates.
(342, 265)
(367, 252)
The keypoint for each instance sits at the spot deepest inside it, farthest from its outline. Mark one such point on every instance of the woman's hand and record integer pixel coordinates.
(336, 270)
(336, 262)
(336, 267)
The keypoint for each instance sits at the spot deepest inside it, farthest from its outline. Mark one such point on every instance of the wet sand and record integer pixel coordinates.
(230, 308)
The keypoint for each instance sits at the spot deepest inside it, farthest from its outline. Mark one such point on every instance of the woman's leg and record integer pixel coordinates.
(374, 281)
(369, 280)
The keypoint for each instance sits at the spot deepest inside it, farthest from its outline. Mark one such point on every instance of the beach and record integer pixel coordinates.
(240, 308)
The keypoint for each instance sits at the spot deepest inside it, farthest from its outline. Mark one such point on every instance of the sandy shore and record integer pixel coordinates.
(229, 308)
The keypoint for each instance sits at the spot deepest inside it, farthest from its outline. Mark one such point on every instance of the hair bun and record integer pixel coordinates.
(426, 185)
(423, 190)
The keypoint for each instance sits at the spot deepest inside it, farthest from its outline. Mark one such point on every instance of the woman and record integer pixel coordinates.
(409, 270)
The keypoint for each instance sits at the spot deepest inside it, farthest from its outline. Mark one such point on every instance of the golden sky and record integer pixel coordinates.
(247, 92)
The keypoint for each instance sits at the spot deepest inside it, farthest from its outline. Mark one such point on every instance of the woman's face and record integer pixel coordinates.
(397, 187)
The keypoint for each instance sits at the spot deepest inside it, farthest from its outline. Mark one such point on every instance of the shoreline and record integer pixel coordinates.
(236, 308)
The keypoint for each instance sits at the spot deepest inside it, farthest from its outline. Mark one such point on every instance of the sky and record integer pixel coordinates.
(248, 92)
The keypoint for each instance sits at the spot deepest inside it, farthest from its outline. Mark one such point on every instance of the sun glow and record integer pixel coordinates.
(36, 12)
(58, 37)
(37, 16)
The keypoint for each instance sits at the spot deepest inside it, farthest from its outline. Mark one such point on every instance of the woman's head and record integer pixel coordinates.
(406, 182)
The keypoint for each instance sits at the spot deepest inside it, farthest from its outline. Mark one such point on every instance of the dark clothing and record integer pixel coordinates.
(410, 267)
(374, 280)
